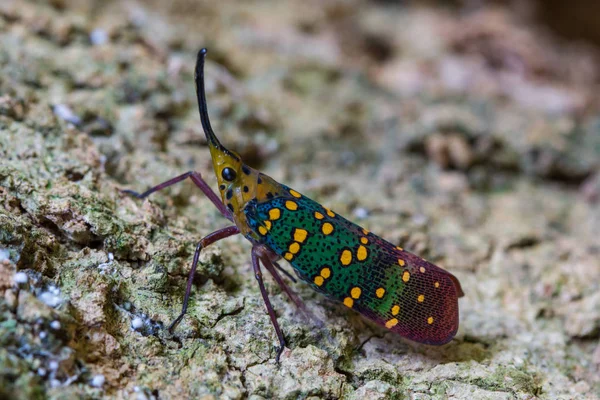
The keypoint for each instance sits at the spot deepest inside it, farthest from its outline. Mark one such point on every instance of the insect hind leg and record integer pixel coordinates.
(256, 254)
(271, 267)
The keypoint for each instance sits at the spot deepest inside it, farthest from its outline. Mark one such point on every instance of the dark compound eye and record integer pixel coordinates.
(228, 174)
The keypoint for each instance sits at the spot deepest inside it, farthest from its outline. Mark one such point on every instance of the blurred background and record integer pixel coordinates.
(467, 132)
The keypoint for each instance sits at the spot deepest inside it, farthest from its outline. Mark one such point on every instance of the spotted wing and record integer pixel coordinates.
(391, 286)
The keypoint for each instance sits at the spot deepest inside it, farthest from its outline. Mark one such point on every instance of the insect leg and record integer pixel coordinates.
(265, 296)
(290, 276)
(197, 179)
(270, 266)
(205, 241)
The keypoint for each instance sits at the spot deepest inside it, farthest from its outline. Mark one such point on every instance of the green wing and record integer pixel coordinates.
(391, 286)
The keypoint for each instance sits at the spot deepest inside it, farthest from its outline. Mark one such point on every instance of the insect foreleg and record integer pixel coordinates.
(205, 241)
(197, 179)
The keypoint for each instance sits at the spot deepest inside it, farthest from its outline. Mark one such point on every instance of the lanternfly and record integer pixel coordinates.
(383, 282)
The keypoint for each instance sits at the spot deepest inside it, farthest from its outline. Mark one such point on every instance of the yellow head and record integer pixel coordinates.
(238, 183)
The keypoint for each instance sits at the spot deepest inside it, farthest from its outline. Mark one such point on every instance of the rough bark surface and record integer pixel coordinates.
(469, 136)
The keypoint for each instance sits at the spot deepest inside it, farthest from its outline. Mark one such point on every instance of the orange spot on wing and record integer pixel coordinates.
(274, 213)
(294, 248)
(391, 323)
(327, 228)
(346, 257)
(406, 276)
(361, 253)
(300, 235)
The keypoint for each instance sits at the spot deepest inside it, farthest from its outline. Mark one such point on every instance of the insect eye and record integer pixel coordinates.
(228, 174)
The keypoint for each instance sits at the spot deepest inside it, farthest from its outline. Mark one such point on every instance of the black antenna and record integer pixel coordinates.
(201, 94)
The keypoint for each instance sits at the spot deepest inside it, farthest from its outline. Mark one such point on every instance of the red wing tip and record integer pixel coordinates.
(457, 286)
(436, 342)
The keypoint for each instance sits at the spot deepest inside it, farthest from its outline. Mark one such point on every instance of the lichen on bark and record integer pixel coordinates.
(470, 138)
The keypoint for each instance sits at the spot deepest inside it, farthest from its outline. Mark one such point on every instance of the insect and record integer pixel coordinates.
(389, 285)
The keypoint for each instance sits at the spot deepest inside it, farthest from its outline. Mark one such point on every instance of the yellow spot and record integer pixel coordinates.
(430, 320)
(319, 280)
(267, 224)
(401, 262)
(421, 298)
(295, 194)
(294, 248)
(348, 302)
(399, 248)
(365, 231)
(346, 257)
(395, 310)
(326, 273)
(391, 323)
(380, 292)
(327, 228)
(329, 212)
(300, 235)
(405, 276)
(291, 205)
(262, 230)
(318, 215)
(288, 256)
(437, 284)
(355, 292)
(364, 240)
(361, 253)
(422, 269)
(274, 213)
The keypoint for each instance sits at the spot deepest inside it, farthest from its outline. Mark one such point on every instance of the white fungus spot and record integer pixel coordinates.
(41, 371)
(98, 381)
(137, 323)
(50, 299)
(98, 37)
(55, 325)
(65, 113)
(20, 278)
(111, 257)
(55, 383)
(4, 255)
(361, 213)
(53, 365)
(43, 335)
